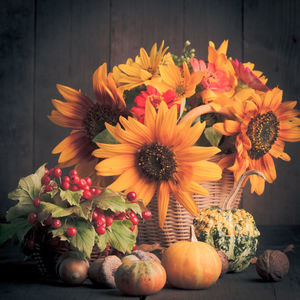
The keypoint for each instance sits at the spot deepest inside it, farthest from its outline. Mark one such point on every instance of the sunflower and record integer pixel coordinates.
(87, 119)
(144, 68)
(181, 82)
(158, 156)
(262, 125)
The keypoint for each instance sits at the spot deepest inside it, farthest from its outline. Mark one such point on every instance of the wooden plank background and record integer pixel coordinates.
(44, 42)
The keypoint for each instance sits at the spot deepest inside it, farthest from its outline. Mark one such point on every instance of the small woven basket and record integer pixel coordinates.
(47, 251)
(178, 221)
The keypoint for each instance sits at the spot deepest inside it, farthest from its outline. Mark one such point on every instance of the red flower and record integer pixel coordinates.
(213, 79)
(155, 98)
(245, 75)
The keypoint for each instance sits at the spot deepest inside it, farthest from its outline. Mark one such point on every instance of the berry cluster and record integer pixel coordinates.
(101, 219)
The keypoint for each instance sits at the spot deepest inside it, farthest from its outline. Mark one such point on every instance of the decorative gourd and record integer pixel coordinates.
(232, 231)
(140, 278)
(192, 264)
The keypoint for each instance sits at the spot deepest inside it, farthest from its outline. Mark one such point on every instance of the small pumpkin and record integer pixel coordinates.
(140, 277)
(192, 264)
(232, 231)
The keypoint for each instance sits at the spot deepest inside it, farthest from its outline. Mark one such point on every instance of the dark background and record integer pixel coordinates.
(44, 42)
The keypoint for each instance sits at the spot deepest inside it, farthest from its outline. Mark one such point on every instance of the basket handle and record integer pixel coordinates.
(230, 198)
(205, 109)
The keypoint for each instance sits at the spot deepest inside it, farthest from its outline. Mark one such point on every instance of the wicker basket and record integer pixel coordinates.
(47, 251)
(178, 220)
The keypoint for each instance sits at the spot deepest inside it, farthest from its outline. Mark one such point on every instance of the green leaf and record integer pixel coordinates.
(105, 137)
(84, 240)
(47, 208)
(28, 189)
(84, 210)
(16, 230)
(101, 241)
(213, 136)
(120, 236)
(115, 202)
(73, 198)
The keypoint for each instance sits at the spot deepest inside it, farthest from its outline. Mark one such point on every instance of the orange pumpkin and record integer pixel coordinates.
(192, 265)
(140, 278)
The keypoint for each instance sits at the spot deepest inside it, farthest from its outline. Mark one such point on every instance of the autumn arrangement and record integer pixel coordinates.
(161, 128)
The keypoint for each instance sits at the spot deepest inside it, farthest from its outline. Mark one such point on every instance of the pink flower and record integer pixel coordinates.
(155, 98)
(245, 75)
(213, 79)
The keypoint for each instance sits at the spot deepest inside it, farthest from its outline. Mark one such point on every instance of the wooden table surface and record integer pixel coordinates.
(20, 280)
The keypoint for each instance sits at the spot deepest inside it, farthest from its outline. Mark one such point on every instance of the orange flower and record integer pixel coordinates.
(222, 65)
(181, 82)
(87, 119)
(262, 125)
(158, 156)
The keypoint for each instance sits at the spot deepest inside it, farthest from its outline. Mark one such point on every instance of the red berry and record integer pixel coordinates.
(121, 216)
(71, 231)
(30, 244)
(51, 172)
(56, 223)
(132, 228)
(100, 229)
(134, 247)
(92, 190)
(48, 221)
(32, 217)
(74, 188)
(46, 171)
(57, 172)
(88, 180)
(100, 220)
(132, 214)
(45, 180)
(131, 196)
(97, 191)
(82, 183)
(65, 185)
(134, 220)
(109, 220)
(147, 214)
(73, 172)
(95, 215)
(66, 179)
(87, 194)
(75, 179)
(36, 201)
(49, 188)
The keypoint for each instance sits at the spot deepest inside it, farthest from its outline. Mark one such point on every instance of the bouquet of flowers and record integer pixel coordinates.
(156, 123)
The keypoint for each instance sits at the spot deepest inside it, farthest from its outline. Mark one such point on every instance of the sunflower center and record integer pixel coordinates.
(180, 90)
(156, 162)
(262, 132)
(98, 115)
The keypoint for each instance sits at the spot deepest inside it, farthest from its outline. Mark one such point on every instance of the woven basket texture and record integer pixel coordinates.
(178, 220)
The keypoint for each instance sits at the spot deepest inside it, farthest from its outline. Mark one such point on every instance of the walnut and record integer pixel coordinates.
(272, 265)
(102, 270)
(224, 260)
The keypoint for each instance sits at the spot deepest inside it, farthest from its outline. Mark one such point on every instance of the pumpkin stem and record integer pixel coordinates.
(230, 198)
(204, 109)
(193, 235)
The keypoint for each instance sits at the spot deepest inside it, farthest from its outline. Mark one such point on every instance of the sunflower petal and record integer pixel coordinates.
(163, 202)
